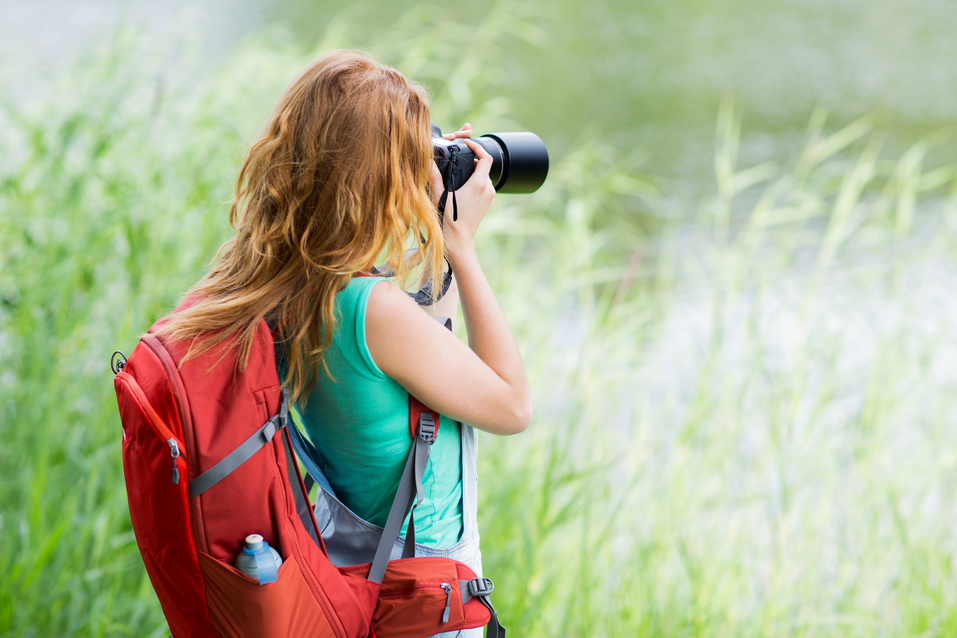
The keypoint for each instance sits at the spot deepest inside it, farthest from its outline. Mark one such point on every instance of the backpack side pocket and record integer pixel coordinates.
(239, 607)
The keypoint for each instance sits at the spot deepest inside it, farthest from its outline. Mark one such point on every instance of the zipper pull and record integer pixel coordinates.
(174, 452)
(448, 602)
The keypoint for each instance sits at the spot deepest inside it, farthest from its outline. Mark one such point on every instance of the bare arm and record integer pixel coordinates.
(482, 384)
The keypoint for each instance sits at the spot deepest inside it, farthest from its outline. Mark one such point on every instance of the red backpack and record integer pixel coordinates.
(208, 460)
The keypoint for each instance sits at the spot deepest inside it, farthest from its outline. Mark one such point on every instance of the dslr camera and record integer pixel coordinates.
(519, 160)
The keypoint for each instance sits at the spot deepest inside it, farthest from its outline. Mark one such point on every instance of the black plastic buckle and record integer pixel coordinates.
(427, 427)
(481, 586)
(283, 407)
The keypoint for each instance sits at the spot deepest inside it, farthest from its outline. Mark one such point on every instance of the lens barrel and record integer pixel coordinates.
(525, 161)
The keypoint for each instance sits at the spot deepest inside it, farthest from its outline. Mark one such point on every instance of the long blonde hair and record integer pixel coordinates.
(338, 180)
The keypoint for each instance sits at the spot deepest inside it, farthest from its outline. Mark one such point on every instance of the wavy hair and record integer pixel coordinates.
(338, 181)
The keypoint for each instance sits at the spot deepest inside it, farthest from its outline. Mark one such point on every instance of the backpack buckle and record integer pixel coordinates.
(427, 427)
(481, 586)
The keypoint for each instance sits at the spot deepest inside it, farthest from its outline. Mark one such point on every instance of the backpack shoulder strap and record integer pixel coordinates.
(409, 491)
(424, 427)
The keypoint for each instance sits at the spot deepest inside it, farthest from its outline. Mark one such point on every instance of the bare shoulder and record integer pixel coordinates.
(396, 328)
(388, 304)
(384, 292)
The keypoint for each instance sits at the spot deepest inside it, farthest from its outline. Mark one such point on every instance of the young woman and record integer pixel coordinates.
(343, 181)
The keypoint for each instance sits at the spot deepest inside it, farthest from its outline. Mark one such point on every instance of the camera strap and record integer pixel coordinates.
(449, 183)
(455, 206)
(426, 296)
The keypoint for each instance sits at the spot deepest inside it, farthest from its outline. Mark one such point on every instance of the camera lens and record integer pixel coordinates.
(524, 161)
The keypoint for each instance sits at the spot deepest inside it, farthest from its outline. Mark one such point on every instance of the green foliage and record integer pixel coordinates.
(738, 432)
(741, 410)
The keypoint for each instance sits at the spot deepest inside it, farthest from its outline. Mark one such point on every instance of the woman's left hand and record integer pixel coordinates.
(465, 131)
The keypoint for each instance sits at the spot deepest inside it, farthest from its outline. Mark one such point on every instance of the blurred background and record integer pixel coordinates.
(734, 293)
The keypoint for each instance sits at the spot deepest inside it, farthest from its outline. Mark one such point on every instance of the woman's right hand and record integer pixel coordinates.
(473, 200)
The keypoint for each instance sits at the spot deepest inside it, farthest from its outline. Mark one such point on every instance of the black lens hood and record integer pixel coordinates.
(525, 162)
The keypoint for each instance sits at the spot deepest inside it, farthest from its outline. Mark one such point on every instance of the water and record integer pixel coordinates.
(644, 76)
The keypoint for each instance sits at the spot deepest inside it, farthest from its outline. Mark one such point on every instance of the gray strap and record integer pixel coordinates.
(310, 482)
(303, 508)
(405, 500)
(408, 550)
(494, 629)
(421, 448)
(237, 457)
(401, 505)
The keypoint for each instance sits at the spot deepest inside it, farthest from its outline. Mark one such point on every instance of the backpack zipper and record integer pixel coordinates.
(156, 423)
(172, 373)
(174, 452)
(448, 602)
(179, 393)
(398, 593)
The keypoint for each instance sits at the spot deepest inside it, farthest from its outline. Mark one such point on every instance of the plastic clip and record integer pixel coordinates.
(481, 586)
(427, 427)
(283, 403)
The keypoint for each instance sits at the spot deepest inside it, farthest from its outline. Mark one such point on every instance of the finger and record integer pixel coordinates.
(478, 149)
(484, 164)
(465, 131)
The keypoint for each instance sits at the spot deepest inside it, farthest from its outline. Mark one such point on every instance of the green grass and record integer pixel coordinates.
(754, 438)
(742, 410)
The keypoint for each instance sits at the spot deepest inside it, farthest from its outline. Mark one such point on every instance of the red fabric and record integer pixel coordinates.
(416, 408)
(188, 545)
(210, 409)
(412, 600)
(239, 606)
(158, 507)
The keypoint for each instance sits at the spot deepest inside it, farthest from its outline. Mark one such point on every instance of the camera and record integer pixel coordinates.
(519, 160)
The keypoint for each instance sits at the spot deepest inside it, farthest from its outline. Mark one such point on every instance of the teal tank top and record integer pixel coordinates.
(359, 426)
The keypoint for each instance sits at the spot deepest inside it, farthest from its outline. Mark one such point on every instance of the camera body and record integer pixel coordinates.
(519, 160)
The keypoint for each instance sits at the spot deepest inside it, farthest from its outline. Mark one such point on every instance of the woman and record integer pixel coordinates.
(342, 181)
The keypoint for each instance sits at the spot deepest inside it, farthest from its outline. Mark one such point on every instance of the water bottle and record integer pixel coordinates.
(258, 560)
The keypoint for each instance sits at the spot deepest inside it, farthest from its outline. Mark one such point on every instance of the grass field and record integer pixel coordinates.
(743, 411)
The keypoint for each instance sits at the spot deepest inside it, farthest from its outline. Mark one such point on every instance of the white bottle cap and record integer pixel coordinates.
(255, 541)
